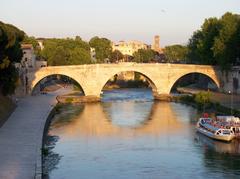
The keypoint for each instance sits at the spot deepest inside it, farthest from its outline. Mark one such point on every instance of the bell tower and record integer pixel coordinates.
(156, 44)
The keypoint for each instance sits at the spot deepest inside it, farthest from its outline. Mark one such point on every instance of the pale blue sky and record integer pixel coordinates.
(173, 20)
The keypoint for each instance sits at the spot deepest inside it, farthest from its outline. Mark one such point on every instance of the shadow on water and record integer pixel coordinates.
(65, 114)
(51, 158)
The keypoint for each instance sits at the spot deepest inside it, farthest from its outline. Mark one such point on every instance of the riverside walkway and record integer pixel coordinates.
(21, 137)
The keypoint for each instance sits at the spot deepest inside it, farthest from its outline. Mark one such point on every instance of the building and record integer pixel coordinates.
(40, 43)
(29, 58)
(29, 63)
(93, 54)
(156, 44)
(128, 48)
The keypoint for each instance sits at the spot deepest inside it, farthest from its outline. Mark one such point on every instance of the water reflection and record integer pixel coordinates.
(137, 138)
(102, 120)
(51, 158)
(218, 146)
(219, 156)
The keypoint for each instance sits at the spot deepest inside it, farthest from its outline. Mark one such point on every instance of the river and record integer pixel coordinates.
(129, 135)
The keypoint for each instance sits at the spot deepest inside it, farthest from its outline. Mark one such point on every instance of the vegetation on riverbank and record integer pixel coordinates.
(203, 103)
(10, 53)
(6, 108)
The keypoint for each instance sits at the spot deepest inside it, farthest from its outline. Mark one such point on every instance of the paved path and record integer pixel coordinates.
(21, 137)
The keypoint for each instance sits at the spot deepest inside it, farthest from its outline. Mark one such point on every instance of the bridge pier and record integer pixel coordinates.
(162, 97)
(89, 99)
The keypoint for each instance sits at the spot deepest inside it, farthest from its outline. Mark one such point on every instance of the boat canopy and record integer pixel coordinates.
(229, 119)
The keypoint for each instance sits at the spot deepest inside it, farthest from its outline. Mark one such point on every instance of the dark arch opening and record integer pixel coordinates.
(194, 81)
(56, 81)
(129, 80)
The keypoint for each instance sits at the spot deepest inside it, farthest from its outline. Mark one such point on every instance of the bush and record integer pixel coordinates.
(187, 99)
(202, 99)
(69, 100)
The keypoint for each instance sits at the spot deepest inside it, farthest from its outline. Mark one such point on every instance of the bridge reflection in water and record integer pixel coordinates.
(137, 138)
(155, 118)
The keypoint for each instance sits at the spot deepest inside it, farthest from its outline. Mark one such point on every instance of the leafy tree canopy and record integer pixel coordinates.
(175, 53)
(115, 56)
(10, 52)
(102, 47)
(217, 42)
(66, 51)
(144, 55)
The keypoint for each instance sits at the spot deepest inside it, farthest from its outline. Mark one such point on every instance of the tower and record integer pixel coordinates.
(156, 43)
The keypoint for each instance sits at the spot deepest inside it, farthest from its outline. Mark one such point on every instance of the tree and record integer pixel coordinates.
(102, 47)
(200, 45)
(226, 46)
(10, 52)
(202, 98)
(175, 53)
(66, 51)
(115, 56)
(79, 56)
(217, 42)
(144, 55)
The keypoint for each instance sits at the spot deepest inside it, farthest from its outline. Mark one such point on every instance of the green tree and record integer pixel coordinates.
(226, 46)
(202, 99)
(80, 56)
(144, 55)
(115, 56)
(102, 47)
(10, 52)
(66, 51)
(175, 53)
(217, 42)
(201, 43)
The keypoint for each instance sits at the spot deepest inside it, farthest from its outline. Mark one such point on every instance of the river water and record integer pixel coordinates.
(129, 135)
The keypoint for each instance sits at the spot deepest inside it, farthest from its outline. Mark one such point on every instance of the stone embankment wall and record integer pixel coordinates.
(230, 82)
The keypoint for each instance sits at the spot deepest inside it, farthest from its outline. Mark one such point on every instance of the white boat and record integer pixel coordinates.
(210, 128)
(232, 123)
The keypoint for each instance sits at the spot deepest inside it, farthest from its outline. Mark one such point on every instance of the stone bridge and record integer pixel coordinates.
(92, 78)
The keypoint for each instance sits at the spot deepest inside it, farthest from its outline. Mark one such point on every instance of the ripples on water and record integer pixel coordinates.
(128, 135)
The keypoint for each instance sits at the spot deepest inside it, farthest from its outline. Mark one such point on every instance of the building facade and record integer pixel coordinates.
(28, 64)
(129, 47)
(29, 58)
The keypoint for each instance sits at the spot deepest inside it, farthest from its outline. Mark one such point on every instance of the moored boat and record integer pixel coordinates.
(214, 130)
(230, 122)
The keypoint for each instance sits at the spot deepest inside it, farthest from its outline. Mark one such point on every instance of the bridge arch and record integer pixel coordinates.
(212, 77)
(144, 74)
(40, 79)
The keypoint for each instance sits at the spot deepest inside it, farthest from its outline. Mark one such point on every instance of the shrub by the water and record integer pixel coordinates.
(69, 100)
(202, 99)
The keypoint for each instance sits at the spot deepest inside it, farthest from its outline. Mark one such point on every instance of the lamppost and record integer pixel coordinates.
(231, 101)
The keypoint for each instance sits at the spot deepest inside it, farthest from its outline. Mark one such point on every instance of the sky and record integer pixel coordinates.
(174, 20)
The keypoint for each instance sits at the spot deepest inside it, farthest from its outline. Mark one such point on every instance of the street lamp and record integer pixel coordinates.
(231, 101)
